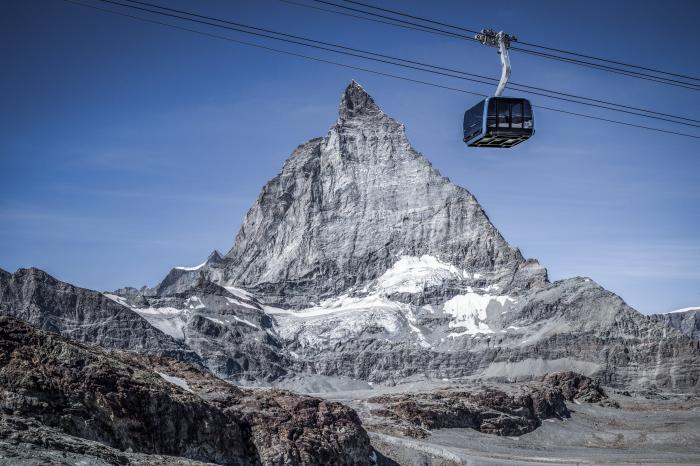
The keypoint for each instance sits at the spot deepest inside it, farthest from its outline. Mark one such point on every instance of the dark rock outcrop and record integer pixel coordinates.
(486, 409)
(576, 386)
(61, 394)
(501, 410)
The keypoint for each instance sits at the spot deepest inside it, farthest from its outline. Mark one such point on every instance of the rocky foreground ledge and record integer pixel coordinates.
(504, 409)
(63, 403)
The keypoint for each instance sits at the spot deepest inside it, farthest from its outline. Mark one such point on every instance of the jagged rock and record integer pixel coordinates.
(83, 315)
(182, 278)
(511, 412)
(576, 386)
(685, 321)
(346, 207)
(88, 393)
(62, 396)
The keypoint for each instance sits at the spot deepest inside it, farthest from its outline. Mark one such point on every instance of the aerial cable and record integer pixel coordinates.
(388, 59)
(530, 44)
(367, 70)
(432, 30)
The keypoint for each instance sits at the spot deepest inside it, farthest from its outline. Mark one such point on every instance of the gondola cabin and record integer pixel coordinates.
(499, 122)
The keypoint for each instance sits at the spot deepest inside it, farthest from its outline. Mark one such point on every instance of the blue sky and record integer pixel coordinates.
(128, 148)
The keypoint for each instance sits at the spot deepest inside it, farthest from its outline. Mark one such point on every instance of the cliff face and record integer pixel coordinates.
(346, 207)
(686, 321)
(64, 400)
(83, 315)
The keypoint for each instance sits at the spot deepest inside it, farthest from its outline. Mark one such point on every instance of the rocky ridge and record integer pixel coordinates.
(686, 321)
(115, 407)
(501, 410)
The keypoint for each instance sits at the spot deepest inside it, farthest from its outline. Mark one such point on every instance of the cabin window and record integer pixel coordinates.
(527, 115)
(503, 115)
(516, 111)
(491, 120)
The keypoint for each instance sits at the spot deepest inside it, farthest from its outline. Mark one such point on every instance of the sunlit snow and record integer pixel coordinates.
(168, 320)
(179, 381)
(190, 269)
(470, 312)
(413, 274)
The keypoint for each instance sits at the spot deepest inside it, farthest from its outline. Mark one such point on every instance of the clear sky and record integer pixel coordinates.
(127, 148)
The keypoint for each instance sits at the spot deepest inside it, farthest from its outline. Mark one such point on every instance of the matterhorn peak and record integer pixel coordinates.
(356, 101)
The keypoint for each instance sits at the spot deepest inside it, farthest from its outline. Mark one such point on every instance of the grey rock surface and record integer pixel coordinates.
(384, 269)
(346, 207)
(81, 314)
(686, 321)
(58, 396)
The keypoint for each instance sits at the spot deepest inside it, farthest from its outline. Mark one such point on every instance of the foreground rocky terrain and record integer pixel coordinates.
(623, 427)
(63, 400)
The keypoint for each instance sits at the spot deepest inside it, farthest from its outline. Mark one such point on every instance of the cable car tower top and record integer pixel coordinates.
(502, 41)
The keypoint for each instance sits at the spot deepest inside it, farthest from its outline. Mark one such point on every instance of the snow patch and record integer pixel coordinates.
(240, 303)
(195, 302)
(117, 299)
(685, 309)
(179, 381)
(238, 292)
(190, 269)
(246, 322)
(168, 320)
(469, 312)
(413, 274)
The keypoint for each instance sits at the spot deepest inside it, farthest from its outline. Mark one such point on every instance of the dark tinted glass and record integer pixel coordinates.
(503, 114)
(474, 116)
(527, 115)
(516, 115)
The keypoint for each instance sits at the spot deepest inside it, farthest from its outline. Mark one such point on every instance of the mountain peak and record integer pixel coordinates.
(346, 208)
(356, 101)
(214, 258)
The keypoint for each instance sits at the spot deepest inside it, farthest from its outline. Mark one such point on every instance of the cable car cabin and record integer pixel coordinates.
(498, 122)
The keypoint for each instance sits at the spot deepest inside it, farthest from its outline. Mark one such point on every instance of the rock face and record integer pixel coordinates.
(63, 396)
(346, 207)
(510, 410)
(83, 315)
(686, 321)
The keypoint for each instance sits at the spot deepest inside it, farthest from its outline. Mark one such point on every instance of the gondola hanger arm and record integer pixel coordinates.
(502, 41)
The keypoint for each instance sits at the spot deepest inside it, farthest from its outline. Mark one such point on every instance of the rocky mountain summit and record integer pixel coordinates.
(346, 207)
